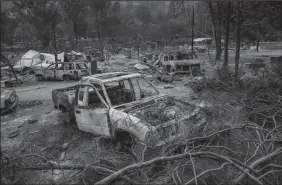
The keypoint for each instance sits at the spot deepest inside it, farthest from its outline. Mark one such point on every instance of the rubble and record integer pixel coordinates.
(65, 146)
(31, 121)
(13, 133)
(168, 87)
(140, 66)
(63, 154)
(33, 103)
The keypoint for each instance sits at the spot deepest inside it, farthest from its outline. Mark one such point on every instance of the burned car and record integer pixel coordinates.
(62, 71)
(109, 104)
(180, 63)
(9, 100)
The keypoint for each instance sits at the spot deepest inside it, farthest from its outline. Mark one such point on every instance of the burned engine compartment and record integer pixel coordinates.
(164, 110)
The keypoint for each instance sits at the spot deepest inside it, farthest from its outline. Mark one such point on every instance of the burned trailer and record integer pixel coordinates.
(181, 63)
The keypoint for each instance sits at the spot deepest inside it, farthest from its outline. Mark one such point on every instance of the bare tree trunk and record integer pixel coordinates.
(226, 40)
(75, 33)
(13, 71)
(138, 50)
(11, 65)
(218, 32)
(238, 38)
(257, 43)
(55, 43)
(216, 27)
(11, 39)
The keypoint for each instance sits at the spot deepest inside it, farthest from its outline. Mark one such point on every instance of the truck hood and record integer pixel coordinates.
(168, 119)
(161, 110)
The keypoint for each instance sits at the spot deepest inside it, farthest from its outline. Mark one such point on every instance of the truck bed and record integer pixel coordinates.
(63, 97)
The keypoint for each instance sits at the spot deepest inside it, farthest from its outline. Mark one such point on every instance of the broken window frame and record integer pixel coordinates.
(130, 81)
(157, 91)
(85, 96)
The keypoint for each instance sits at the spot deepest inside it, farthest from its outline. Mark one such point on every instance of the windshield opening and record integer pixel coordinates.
(129, 90)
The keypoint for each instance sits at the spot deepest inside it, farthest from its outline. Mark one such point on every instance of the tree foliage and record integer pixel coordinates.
(162, 22)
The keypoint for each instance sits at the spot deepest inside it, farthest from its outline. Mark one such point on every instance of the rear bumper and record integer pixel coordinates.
(11, 108)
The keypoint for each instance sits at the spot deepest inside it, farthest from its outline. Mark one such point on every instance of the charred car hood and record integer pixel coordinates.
(160, 110)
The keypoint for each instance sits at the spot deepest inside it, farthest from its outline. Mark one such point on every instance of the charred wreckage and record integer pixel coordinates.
(112, 103)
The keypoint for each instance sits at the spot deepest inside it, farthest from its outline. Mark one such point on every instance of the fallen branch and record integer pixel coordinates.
(270, 166)
(212, 134)
(209, 155)
(52, 165)
(270, 172)
(194, 170)
(207, 171)
(259, 162)
(57, 166)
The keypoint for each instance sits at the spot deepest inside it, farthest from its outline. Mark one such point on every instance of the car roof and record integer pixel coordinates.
(108, 77)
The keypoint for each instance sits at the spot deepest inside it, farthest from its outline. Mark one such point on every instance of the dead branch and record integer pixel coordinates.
(54, 166)
(207, 171)
(212, 134)
(270, 166)
(209, 155)
(194, 170)
(270, 172)
(259, 162)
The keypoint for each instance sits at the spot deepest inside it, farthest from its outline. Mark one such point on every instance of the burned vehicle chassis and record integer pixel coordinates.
(103, 105)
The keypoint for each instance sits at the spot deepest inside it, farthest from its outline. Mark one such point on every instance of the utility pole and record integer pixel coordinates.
(192, 44)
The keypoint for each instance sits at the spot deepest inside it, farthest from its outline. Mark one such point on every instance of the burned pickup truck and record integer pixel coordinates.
(118, 104)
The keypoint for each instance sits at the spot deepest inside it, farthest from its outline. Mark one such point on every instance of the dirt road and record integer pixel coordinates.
(41, 91)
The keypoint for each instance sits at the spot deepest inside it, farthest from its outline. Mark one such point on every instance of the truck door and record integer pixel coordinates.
(49, 72)
(91, 111)
(59, 72)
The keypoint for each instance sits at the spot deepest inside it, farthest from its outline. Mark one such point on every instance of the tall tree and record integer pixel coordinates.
(215, 9)
(226, 39)
(9, 23)
(238, 38)
(100, 9)
(75, 14)
(45, 17)
(143, 14)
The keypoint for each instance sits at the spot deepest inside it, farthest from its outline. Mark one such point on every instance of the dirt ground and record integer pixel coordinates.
(42, 130)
